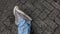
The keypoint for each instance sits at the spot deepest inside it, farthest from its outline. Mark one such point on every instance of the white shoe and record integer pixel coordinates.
(16, 9)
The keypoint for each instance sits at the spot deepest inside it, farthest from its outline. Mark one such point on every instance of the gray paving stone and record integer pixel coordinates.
(4, 16)
(57, 31)
(7, 22)
(24, 7)
(40, 6)
(40, 1)
(23, 1)
(46, 4)
(0, 14)
(33, 27)
(21, 6)
(44, 14)
(28, 11)
(14, 29)
(29, 5)
(47, 11)
(6, 32)
(48, 30)
(34, 24)
(57, 20)
(31, 1)
(0, 32)
(50, 23)
(37, 5)
(58, 2)
(49, 1)
(53, 14)
(56, 5)
(38, 30)
(10, 4)
(3, 4)
(59, 15)
(40, 23)
(2, 27)
(35, 13)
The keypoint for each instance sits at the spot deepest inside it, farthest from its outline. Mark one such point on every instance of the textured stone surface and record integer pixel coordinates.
(50, 23)
(56, 5)
(48, 31)
(57, 20)
(57, 31)
(48, 5)
(45, 15)
(53, 14)
(35, 13)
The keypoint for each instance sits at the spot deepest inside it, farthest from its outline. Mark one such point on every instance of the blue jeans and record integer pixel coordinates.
(23, 26)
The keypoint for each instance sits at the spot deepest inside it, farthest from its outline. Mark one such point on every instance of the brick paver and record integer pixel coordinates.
(45, 15)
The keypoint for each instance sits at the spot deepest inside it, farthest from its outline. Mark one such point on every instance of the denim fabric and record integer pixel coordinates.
(23, 26)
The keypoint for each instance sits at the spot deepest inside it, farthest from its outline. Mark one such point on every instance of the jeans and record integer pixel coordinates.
(23, 26)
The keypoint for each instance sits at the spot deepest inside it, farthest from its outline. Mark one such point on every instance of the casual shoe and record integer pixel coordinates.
(20, 14)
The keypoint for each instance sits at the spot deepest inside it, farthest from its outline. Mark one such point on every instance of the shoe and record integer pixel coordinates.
(20, 13)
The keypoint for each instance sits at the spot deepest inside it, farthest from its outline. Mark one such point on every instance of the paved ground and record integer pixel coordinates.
(45, 15)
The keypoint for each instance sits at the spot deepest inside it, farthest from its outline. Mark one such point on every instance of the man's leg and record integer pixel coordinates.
(22, 20)
(24, 26)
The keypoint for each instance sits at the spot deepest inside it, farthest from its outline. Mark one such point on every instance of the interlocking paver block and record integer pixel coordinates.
(20, 6)
(53, 14)
(59, 15)
(10, 4)
(57, 31)
(14, 29)
(47, 9)
(44, 14)
(40, 23)
(39, 6)
(35, 13)
(0, 32)
(28, 11)
(31, 1)
(2, 27)
(30, 5)
(24, 7)
(3, 4)
(40, 1)
(49, 1)
(6, 32)
(23, 1)
(4, 16)
(38, 30)
(7, 22)
(57, 20)
(52, 24)
(56, 5)
(46, 4)
(48, 30)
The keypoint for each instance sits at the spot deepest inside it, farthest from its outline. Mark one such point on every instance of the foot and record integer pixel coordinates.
(18, 13)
